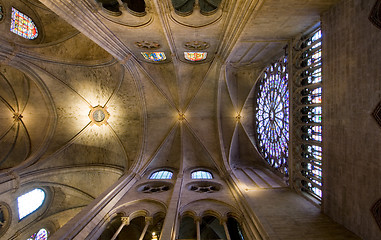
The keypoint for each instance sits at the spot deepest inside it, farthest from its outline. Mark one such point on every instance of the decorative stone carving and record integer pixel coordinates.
(377, 114)
(204, 187)
(148, 45)
(376, 211)
(196, 45)
(375, 14)
(154, 187)
(99, 115)
(5, 218)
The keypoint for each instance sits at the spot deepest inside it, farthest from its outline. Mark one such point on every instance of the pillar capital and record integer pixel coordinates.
(149, 220)
(125, 220)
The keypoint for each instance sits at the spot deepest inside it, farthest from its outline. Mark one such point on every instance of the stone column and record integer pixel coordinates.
(198, 228)
(125, 222)
(223, 221)
(170, 221)
(148, 222)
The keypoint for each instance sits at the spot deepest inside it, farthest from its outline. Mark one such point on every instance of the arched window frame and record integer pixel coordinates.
(307, 113)
(161, 174)
(41, 207)
(201, 174)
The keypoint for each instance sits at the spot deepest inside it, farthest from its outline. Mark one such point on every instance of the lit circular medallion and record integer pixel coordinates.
(99, 115)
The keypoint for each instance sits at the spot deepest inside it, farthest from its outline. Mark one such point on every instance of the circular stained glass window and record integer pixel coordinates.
(272, 115)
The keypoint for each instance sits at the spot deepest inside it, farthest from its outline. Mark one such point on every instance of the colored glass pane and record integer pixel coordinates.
(22, 25)
(162, 175)
(195, 56)
(201, 175)
(272, 115)
(42, 234)
(30, 202)
(154, 56)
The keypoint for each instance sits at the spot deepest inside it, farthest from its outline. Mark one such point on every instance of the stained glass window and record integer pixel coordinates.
(30, 202)
(162, 175)
(309, 117)
(272, 115)
(201, 175)
(42, 234)
(195, 56)
(154, 56)
(22, 25)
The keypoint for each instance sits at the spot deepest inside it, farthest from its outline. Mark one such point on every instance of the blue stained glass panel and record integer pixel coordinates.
(201, 175)
(162, 175)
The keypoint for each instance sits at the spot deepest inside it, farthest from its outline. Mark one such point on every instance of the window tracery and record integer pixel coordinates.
(272, 115)
(138, 6)
(309, 118)
(163, 174)
(30, 202)
(185, 7)
(23, 25)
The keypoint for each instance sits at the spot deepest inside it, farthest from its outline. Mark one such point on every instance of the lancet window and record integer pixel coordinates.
(23, 25)
(308, 114)
(272, 115)
(30, 202)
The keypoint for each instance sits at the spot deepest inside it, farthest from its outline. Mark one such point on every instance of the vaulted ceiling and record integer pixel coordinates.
(176, 113)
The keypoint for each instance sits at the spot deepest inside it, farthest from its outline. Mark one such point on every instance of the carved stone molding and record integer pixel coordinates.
(147, 45)
(375, 14)
(196, 45)
(376, 211)
(154, 187)
(5, 218)
(377, 113)
(204, 187)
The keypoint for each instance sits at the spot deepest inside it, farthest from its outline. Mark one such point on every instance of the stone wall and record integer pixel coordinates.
(351, 136)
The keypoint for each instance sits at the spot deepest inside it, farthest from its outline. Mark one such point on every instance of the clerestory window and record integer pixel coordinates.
(30, 202)
(23, 25)
(201, 175)
(163, 174)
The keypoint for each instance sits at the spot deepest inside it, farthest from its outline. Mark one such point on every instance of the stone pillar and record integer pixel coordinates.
(148, 222)
(170, 221)
(125, 222)
(198, 228)
(223, 221)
